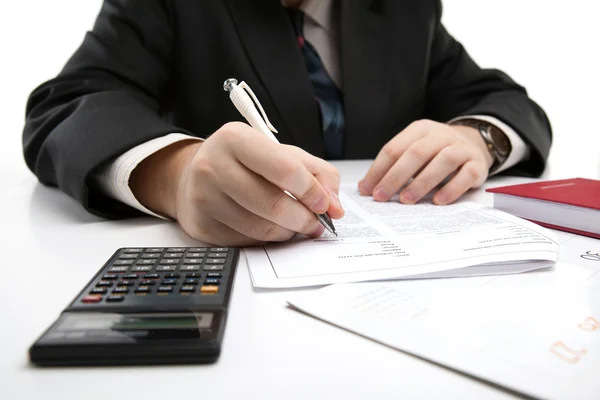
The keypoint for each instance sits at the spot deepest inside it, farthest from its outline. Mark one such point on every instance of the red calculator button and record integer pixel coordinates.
(93, 298)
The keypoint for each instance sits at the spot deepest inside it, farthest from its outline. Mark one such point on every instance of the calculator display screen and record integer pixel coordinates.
(124, 322)
(94, 326)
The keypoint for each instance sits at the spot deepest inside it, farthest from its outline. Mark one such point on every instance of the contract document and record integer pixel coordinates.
(535, 333)
(391, 240)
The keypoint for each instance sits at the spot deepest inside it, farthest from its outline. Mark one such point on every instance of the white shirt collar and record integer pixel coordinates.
(320, 11)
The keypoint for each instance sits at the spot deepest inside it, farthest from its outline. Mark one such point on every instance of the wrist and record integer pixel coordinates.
(473, 135)
(155, 181)
(498, 144)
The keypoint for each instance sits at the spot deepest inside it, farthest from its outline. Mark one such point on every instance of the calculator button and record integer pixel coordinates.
(193, 275)
(190, 268)
(132, 250)
(197, 249)
(121, 289)
(171, 261)
(104, 283)
(219, 249)
(145, 262)
(212, 281)
(115, 297)
(98, 290)
(125, 283)
(118, 269)
(191, 281)
(215, 261)
(187, 289)
(127, 256)
(110, 277)
(147, 283)
(195, 255)
(154, 250)
(165, 289)
(142, 268)
(164, 268)
(172, 276)
(209, 289)
(151, 276)
(214, 275)
(176, 249)
(173, 255)
(192, 261)
(169, 282)
(213, 268)
(217, 255)
(123, 262)
(130, 276)
(150, 255)
(93, 298)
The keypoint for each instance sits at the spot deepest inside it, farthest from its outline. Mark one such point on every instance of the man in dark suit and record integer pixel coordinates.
(138, 120)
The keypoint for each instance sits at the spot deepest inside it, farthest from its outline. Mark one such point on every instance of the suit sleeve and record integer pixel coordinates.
(104, 102)
(457, 86)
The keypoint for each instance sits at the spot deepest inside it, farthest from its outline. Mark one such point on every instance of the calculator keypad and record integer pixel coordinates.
(175, 271)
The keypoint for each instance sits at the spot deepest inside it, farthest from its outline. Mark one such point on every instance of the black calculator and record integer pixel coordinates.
(146, 306)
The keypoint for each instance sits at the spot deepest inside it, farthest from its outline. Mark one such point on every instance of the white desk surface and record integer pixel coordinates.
(51, 247)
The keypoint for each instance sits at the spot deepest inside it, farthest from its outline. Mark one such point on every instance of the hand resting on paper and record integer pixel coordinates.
(429, 152)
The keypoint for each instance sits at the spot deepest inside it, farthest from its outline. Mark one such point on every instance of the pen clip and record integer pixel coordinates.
(245, 86)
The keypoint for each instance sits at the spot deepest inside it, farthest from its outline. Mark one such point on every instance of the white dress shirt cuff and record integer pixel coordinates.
(520, 150)
(113, 179)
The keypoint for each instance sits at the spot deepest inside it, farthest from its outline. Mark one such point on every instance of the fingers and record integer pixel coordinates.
(429, 152)
(326, 174)
(250, 225)
(469, 176)
(267, 159)
(387, 157)
(260, 197)
(416, 156)
(209, 230)
(445, 163)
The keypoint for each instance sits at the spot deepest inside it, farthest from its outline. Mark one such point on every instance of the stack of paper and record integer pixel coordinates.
(391, 241)
(536, 333)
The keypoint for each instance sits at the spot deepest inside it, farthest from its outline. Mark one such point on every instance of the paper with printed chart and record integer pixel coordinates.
(536, 333)
(395, 241)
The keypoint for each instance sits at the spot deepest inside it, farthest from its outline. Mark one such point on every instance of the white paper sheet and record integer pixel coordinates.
(536, 333)
(391, 240)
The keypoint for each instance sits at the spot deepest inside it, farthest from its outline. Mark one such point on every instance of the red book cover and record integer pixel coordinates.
(578, 192)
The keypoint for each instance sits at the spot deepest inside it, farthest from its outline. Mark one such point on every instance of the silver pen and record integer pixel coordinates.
(244, 99)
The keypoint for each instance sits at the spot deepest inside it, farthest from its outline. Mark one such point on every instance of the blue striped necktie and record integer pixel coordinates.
(328, 95)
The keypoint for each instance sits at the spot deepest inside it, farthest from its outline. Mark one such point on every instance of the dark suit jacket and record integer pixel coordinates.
(152, 67)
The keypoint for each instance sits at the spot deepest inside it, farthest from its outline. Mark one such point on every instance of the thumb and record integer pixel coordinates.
(327, 175)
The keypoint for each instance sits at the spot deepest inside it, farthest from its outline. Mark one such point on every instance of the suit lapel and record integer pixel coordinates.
(366, 75)
(267, 35)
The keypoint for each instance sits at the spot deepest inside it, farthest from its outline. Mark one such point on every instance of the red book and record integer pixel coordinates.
(571, 205)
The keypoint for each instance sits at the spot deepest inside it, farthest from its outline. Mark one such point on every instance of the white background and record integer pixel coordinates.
(551, 47)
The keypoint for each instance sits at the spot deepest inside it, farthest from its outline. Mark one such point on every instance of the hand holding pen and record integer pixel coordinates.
(244, 99)
(230, 189)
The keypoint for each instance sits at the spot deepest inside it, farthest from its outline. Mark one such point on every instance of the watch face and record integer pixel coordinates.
(501, 141)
